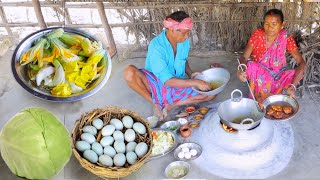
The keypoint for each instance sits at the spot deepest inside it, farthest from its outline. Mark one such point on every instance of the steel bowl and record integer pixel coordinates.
(153, 121)
(218, 75)
(174, 145)
(21, 75)
(281, 99)
(190, 146)
(240, 113)
(171, 124)
(175, 164)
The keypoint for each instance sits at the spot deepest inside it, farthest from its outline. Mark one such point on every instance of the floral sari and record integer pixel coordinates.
(270, 75)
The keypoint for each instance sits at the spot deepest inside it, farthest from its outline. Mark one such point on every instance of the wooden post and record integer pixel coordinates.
(107, 29)
(37, 10)
(4, 20)
(62, 11)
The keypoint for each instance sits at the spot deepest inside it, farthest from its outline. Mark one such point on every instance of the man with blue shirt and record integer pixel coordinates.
(167, 80)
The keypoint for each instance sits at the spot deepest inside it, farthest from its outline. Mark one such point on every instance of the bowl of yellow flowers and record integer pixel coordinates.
(61, 64)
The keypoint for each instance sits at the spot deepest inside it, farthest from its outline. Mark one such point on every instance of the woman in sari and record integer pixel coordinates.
(267, 71)
(167, 80)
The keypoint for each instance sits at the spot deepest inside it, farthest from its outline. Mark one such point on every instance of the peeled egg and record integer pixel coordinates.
(90, 129)
(108, 130)
(118, 135)
(88, 137)
(98, 123)
(97, 148)
(185, 149)
(187, 155)
(117, 124)
(82, 145)
(127, 121)
(131, 146)
(141, 149)
(193, 152)
(90, 156)
(119, 146)
(139, 128)
(106, 160)
(131, 157)
(129, 135)
(109, 150)
(119, 159)
(106, 141)
(181, 155)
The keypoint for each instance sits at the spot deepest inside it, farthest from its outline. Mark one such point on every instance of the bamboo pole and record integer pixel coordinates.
(61, 10)
(37, 10)
(4, 20)
(106, 27)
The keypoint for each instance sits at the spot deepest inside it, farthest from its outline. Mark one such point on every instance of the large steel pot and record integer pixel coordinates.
(240, 113)
(218, 75)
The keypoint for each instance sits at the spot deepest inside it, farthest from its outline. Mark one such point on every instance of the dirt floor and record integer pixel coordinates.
(304, 164)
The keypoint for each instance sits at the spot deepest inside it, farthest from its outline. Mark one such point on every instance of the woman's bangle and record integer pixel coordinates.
(295, 88)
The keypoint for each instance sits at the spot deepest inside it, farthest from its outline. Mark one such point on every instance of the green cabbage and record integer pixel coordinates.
(35, 144)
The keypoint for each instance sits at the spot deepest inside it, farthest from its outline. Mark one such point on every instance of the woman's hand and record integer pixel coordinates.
(291, 91)
(242, 76)
(201, 85)
(194, 74)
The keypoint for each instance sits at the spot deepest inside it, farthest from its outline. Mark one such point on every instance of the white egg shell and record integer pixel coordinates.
(88, 137)
(110, 151)
(131, 157)
(119, 159)
(98, 123)
(129, 135)
(97, 148)
(131, 146)
(90, 129)
(139, 128)
(127, 121)
(119, 146)
(106, 141)
(141, 149)
(181, 155)
(193, 152)
(90, 156)
(187, 155)
(185, 149)
(106, 160)
(82, 146)
(108, 130)
(117, 123)
(118, 135)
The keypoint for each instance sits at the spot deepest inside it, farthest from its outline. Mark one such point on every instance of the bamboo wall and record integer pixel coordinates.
(219, 25)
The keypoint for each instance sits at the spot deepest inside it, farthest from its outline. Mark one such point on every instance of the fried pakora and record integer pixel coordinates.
(287, 109)
(276, 107)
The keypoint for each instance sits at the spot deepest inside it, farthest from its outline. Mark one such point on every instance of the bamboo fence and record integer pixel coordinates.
(218, 25)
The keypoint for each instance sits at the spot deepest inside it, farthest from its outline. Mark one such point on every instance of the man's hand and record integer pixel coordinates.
(194, 74)
(201, 85)
(291, 92)
(242, 76)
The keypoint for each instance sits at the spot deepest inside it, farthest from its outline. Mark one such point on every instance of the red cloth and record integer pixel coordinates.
(258, 41)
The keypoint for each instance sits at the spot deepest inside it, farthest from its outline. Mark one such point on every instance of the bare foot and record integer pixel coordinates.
(157, 111)
(167, 108)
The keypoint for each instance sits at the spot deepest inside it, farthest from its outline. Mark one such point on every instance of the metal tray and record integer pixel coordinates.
(174, 145)
(190, 146)
(21, 75)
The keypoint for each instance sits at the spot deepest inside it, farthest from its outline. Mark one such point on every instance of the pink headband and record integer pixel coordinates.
(172, 24)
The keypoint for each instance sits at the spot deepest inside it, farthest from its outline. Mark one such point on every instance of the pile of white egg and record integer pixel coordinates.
(115, 147)
(187, 153)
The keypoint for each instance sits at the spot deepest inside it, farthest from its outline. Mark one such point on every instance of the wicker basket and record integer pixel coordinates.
(106, 114)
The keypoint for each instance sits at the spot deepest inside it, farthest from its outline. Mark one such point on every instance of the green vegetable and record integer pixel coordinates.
(172, 128)
(35, 144)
